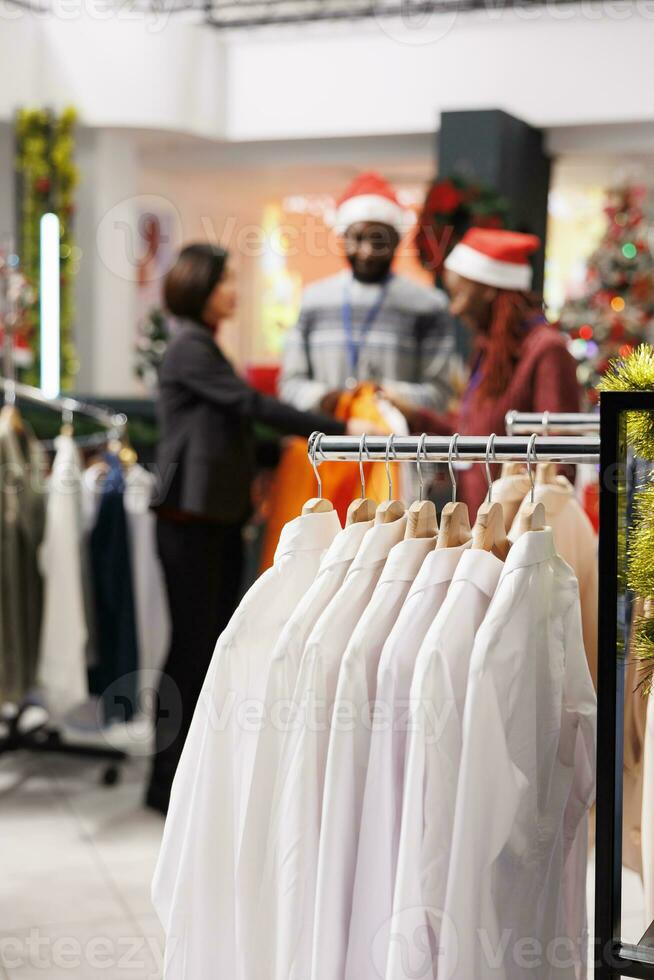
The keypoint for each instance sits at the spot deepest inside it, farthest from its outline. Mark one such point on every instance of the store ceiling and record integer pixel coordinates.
(230, 14)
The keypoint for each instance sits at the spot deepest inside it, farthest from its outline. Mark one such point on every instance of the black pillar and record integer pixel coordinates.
(506, 154)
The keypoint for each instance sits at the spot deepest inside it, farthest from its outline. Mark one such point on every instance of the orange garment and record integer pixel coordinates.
(295, 482)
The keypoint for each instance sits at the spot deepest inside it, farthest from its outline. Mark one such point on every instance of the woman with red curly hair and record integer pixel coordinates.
(519, 361)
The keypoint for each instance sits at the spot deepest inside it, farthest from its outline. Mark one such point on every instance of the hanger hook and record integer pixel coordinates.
(363, 447)
(490, 449)
(389, 447)
(453, 452)
(421, 452)
(546, 423)
(531, 459)
(314, 444)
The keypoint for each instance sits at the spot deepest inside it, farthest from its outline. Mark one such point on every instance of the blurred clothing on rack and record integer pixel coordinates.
(22, 521)
(63, 675)
(114, 677)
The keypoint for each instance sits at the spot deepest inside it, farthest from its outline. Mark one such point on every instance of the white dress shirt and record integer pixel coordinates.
(438, 696)
(193, 888)
(576, 542)
(347, 760)
(372, 899)
(292, 858)
(62, 656)
(526, 779)
(282, 677)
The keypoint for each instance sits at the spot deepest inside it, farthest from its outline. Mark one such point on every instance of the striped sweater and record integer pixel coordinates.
(409, 349)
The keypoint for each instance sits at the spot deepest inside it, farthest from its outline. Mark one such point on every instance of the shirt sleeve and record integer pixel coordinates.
(210, 376)
(485, 814)
(296, 385)
(436, 356)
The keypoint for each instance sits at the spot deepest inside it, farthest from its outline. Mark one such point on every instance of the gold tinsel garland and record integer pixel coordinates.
(635, 372)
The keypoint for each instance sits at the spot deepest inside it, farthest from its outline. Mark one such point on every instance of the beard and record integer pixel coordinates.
(372, 270)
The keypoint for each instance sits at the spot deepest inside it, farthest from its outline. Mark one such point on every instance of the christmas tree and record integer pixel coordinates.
(152, 341)
(616, 311)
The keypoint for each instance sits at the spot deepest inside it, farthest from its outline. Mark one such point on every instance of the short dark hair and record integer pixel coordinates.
(190, 282)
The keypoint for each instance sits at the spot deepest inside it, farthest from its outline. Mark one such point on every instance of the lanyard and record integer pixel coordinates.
(354, 346)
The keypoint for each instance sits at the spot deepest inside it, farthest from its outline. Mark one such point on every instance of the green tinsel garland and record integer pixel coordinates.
(643, 647)
(635, 373)
(641, 544)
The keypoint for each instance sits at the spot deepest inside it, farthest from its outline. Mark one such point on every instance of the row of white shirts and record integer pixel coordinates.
(389, 771)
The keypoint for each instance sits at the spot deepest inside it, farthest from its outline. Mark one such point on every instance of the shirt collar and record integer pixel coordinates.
(405, 559)
(480, 568)
(378, 542)
(530, 548)
(511, 488)
(438, 567)
(553, 496)
(346, 544)
(309, 532)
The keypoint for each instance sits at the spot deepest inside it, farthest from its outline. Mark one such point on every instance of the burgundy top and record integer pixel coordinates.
(544, 379)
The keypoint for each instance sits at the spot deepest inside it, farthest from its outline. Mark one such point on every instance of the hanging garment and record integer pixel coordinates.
(576, 542)
(526, 779)
(347, 759)
(510, 491)
(294, 479)
(22, 518)
(114, 676)
(62, 662)
(282, 677)
(152, 615)
(289, 888)
(635, 722)
(194, 885)
(647, 821)
(372, 899)
(433, 755)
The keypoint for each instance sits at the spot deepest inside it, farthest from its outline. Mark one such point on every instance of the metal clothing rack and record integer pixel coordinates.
(471, 449)
(44, 737)
(547, 423)
(114, 422)
(598, 438)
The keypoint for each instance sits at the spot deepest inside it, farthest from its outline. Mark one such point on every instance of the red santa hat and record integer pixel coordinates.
(371, 198)
(494, 257)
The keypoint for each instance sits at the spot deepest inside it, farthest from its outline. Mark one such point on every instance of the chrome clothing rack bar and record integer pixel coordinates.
(110, 420)
(546, 423)
(470, 449)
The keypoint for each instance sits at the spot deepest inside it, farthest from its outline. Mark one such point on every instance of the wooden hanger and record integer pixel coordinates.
(390, 510)
(363, 509)
(421, 516)
(531, 516)
(316, 505)
(512, 469)
(455, 519)
(11, 414)
(489, 532)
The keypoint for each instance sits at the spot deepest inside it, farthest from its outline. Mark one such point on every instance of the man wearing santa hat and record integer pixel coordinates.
(519, 361)
(367, 323)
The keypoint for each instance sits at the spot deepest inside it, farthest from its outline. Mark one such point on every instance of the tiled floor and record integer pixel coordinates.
(76, 864)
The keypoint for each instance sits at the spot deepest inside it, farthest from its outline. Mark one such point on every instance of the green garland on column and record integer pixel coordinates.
(635, 372)
(46, 181)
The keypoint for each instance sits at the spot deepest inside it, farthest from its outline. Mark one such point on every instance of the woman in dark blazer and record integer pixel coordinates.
(205, 466)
